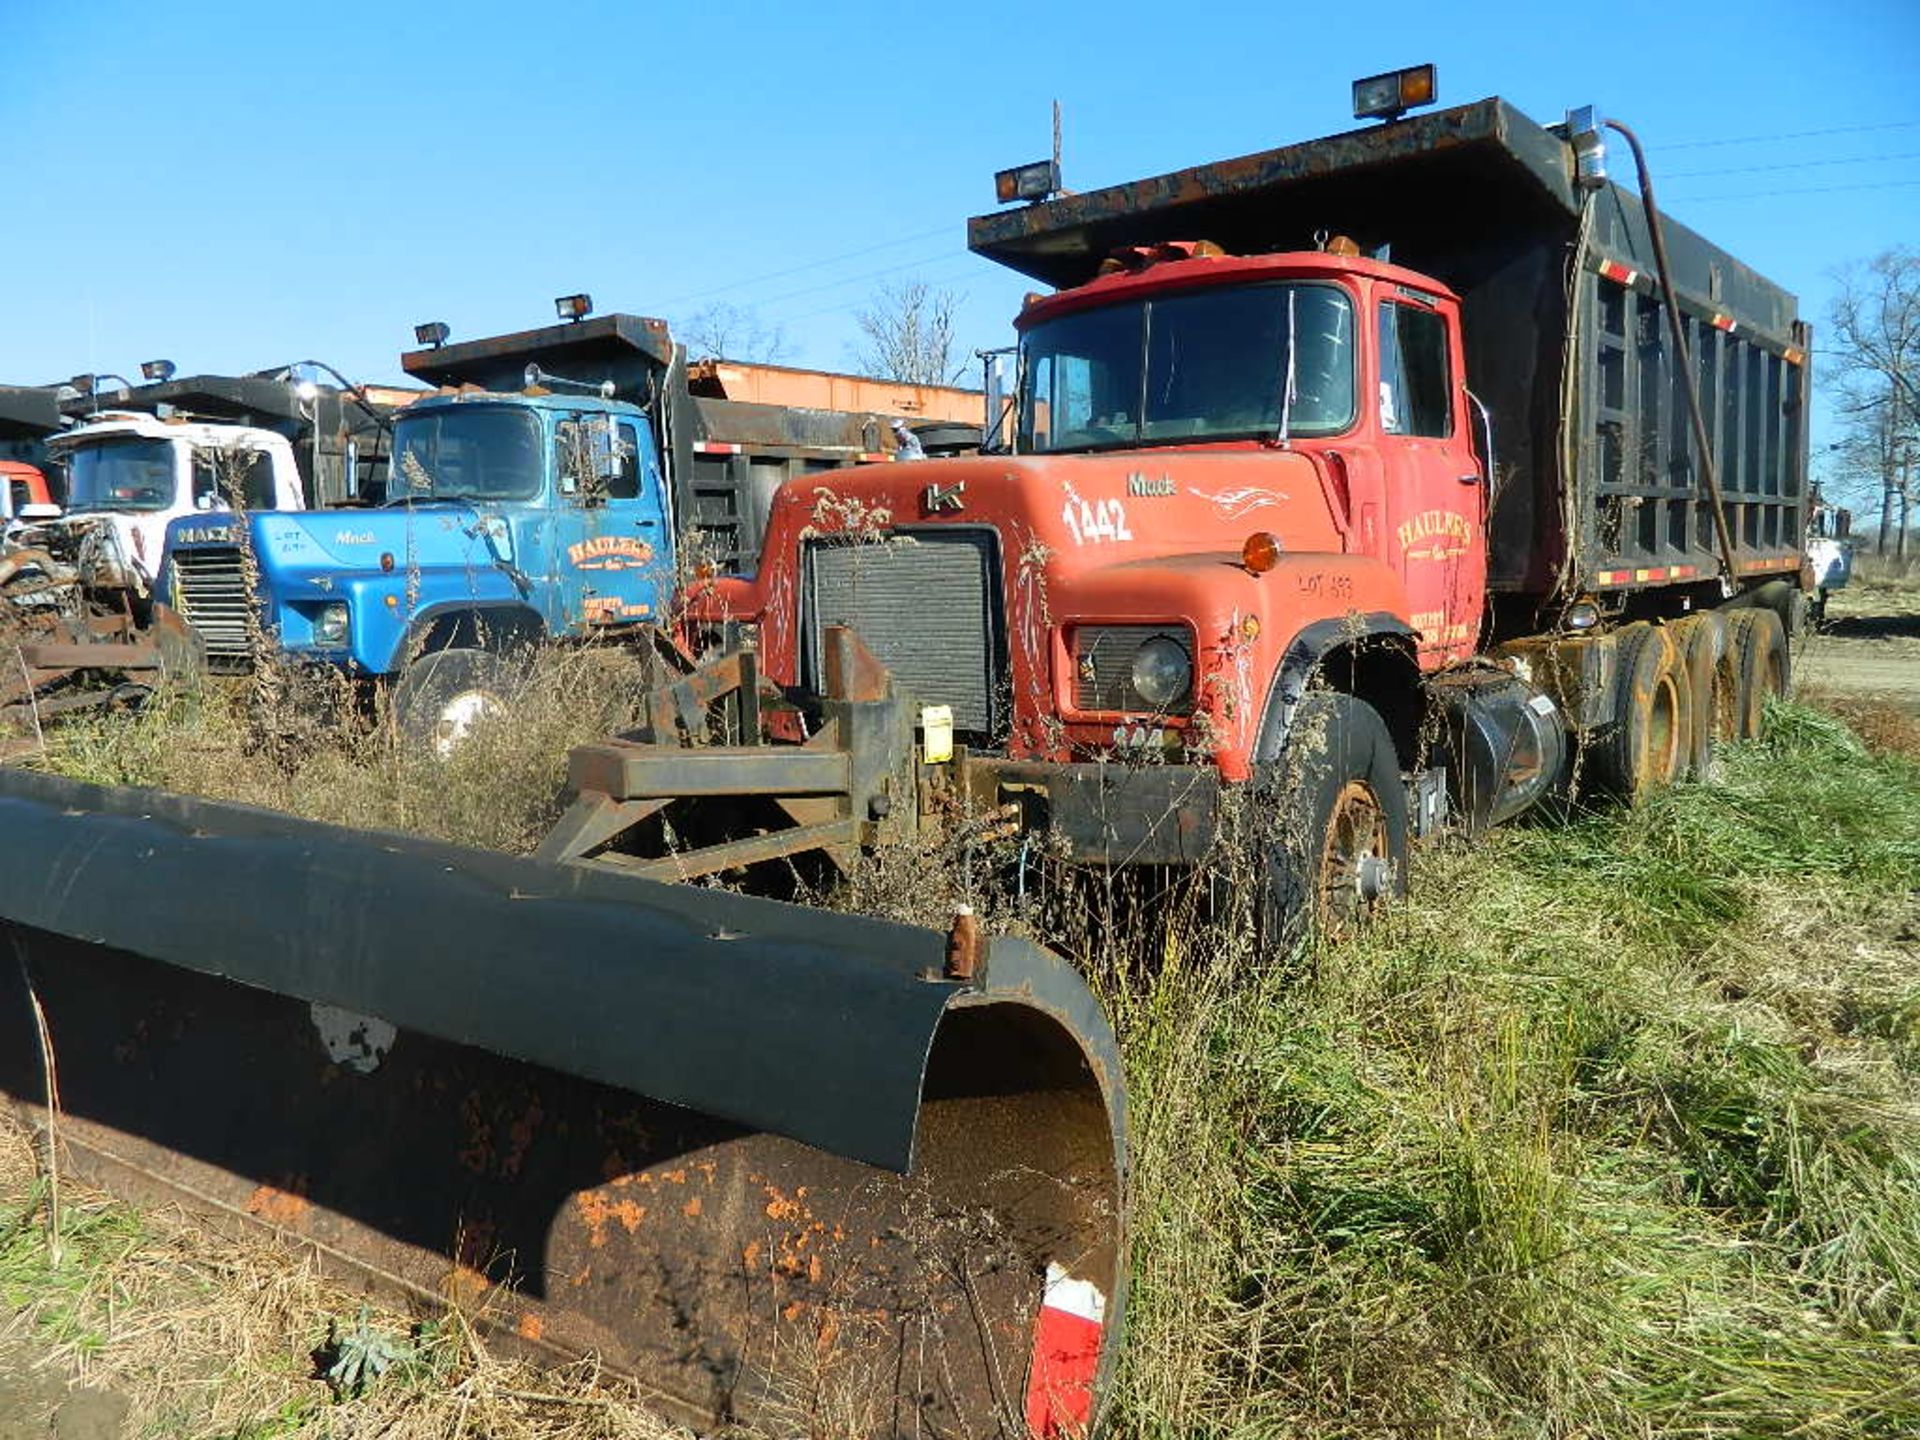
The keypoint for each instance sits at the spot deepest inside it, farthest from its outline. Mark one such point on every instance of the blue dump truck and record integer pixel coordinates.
(554, 486)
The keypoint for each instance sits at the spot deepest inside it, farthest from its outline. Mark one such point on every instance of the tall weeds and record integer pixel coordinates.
(1613, 1129)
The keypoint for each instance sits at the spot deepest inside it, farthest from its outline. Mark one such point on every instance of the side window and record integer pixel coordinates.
(623, 481)
(599, 459)
(250, 472)
(1415, 393)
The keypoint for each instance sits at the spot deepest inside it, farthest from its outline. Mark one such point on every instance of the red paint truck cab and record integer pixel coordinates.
(22, 485)
(1220, 460)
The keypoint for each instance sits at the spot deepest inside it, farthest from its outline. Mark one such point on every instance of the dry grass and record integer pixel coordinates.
(1612, 1130)
(294, 741)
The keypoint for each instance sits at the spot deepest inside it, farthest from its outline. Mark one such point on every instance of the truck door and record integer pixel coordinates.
(1436, 494)
(612, 555)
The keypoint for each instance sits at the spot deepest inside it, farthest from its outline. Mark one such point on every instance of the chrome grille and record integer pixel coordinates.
(1103, 667)
(210, 592)
(924, 603)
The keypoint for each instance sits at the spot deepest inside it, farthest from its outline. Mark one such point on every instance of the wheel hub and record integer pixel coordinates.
(458, 717)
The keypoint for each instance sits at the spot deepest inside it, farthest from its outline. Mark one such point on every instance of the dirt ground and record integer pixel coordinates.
(1868, 646)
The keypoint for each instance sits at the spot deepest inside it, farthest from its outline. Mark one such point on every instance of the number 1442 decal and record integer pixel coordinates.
(1101, 520)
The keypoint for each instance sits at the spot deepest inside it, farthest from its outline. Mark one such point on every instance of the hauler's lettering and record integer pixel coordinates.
(1435, 535)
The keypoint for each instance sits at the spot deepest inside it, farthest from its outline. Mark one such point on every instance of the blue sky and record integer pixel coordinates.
(233, 186)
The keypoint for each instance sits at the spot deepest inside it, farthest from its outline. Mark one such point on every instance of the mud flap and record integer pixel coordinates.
(765, 1159)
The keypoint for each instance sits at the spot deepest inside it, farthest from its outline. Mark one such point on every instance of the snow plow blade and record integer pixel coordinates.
(768, 1160)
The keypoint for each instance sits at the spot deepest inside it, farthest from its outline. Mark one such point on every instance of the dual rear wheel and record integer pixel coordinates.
(1681, 689)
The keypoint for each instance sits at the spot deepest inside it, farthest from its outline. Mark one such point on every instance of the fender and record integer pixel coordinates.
(505, 618)
(1303, 655)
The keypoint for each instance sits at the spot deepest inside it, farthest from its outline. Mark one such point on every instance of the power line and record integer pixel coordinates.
(1799, 190)
(848, 305)
(1787, 135)
(801, 269)
(1793, 165)
(855, 279)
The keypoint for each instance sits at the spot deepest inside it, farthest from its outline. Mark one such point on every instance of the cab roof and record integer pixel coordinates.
(1221, 270)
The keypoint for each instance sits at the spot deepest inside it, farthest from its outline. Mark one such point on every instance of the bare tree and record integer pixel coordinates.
(1876, 327)
(731, 332)
(908, 330)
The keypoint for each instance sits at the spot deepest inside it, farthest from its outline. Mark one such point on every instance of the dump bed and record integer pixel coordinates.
(1595, 493)
(726, 456)
(339, 437)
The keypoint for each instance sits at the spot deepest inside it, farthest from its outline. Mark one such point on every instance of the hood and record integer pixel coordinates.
(1116, 507)
(421, 535)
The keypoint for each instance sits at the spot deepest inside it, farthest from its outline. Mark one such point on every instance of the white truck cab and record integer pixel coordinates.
(131, 474)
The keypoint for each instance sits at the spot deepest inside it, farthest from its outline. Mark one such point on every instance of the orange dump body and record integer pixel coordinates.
(828, 390)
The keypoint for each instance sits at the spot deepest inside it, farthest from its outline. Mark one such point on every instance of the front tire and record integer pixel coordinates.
(444, 694)
(1335, 850)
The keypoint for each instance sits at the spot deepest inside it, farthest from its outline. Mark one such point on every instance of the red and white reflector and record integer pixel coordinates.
(1723, 322)
(716, 447)
(873, 457)
(1066, 1356)
(1618, 273)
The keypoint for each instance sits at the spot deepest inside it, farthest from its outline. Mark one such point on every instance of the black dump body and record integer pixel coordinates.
(339, 440)
(726, 457)
(28, 414)
(1481, 198)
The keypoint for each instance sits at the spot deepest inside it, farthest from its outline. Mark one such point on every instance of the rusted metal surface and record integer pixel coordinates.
(627, 349)
(581, 1108)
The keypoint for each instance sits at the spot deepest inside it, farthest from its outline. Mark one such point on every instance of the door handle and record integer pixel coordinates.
(1473, 479)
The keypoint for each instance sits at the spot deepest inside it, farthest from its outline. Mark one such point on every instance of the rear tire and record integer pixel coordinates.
(445, 693)
(1759, 663)
(1699, 640)
(1336, 847)
(1648, 744)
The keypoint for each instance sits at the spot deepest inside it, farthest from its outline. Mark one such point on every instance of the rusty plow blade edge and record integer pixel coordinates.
(746, 1152)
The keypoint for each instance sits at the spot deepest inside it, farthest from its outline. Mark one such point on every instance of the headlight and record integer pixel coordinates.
(1161, 671)
(330, 624)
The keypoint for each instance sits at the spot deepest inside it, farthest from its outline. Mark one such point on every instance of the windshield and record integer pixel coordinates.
(1203, 365)
(122, 475)
(466, 453)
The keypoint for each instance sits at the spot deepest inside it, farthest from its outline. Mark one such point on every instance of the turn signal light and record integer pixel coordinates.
(1261, 552)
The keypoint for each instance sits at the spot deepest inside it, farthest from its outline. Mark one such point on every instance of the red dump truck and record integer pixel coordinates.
(1360, 477)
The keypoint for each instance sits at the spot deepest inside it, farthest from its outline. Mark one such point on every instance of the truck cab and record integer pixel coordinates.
(1353, 363)
(130, 475)
(509, 517)
(24, 493)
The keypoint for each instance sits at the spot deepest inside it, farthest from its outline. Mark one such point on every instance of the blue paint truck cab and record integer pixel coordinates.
(542, 492)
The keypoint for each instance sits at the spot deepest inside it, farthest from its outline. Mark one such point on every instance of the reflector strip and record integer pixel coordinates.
(868, 457)
(1723, 322)
(1066, 1356)
(716, 447)
(1614, 270)
(1795, 355)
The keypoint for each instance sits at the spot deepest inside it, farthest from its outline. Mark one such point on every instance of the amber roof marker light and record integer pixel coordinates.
(1390, 95)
